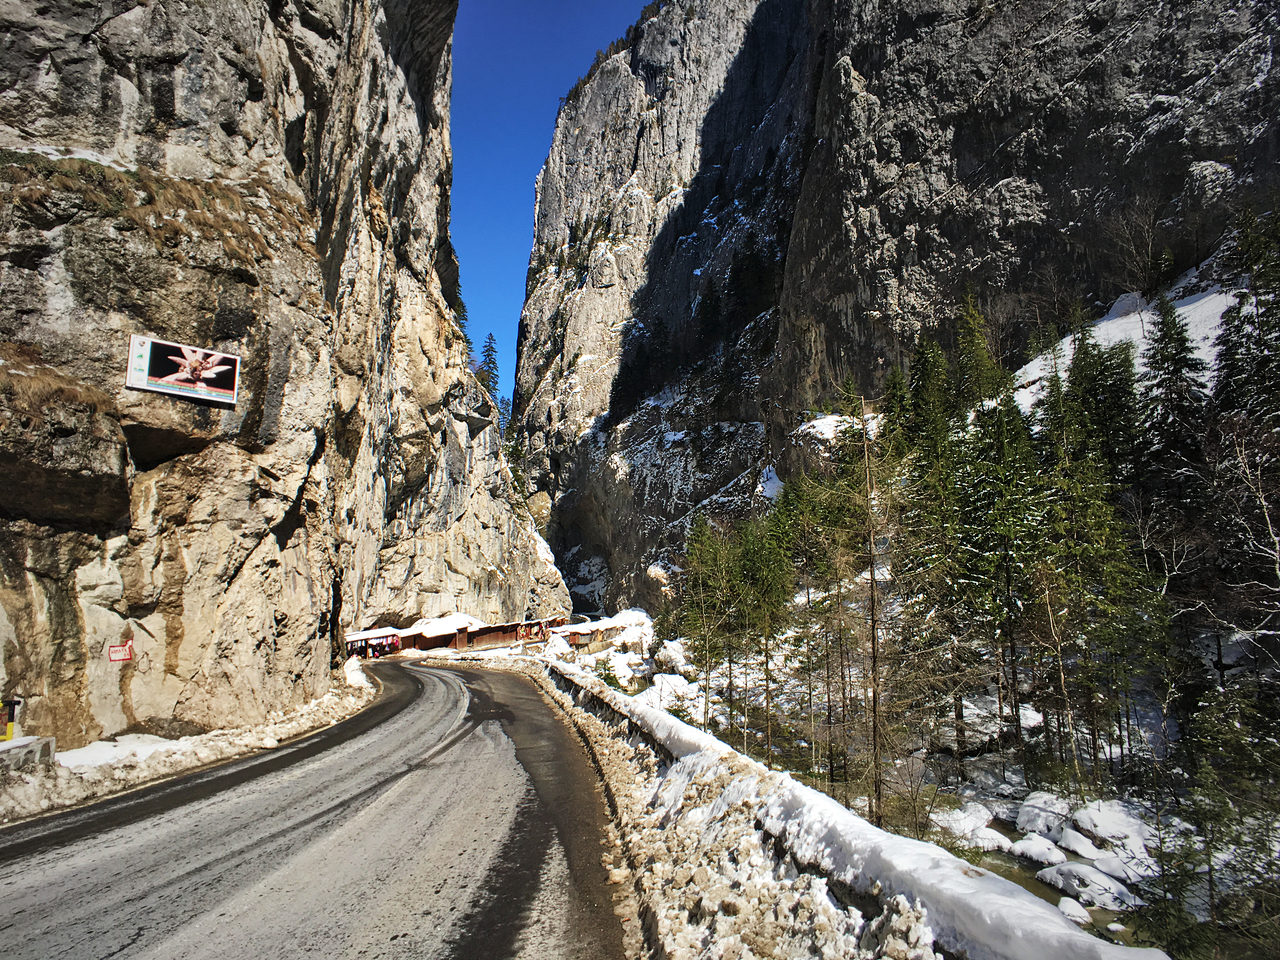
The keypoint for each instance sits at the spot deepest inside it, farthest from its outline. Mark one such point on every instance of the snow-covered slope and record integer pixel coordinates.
(1130, 319)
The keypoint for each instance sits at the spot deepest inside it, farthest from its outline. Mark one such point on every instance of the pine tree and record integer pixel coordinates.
(1173, 411)
(978, 376)
(1247, 406)
(930, 558)
(1096, 613)
(1247, 371)
(706, 600)
(895, 409)
(504, 416)
(487, 369)
(1060, 426)
(1102, 391)
(1005, 510)
(764, 574)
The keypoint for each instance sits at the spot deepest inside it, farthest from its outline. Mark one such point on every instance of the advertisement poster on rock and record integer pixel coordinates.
(183, 370)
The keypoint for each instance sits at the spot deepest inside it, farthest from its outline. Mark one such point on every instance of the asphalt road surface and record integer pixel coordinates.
(467, 826)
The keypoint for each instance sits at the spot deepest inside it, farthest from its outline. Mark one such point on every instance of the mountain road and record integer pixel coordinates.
(465, 824)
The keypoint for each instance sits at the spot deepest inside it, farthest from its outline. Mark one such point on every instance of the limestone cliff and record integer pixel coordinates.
(269, 179)
(748, 202)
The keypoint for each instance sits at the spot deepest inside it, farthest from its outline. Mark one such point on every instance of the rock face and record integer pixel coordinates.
(267, 179)
(751, 202)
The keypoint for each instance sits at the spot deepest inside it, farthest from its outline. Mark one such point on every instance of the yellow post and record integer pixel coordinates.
(10, 714)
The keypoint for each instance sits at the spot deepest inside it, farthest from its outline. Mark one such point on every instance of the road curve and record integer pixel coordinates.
(465, 825)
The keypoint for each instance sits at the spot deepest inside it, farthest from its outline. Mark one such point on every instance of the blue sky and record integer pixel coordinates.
(512, 62)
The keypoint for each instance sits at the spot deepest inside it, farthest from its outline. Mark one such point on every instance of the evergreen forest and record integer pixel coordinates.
(1080, 597)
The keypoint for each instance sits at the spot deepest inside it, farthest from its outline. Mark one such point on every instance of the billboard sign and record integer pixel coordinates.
(182, 370)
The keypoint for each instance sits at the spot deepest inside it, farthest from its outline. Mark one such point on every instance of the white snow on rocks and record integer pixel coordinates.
(825, 429)
(971, 824)
(1040, 849)
(673, 693)
(672, 658)
(1075, 842)
(1111, 836)
(1115, 822)
(1088, 885)
(1074, 911)
(1043, 813)
(769, 486)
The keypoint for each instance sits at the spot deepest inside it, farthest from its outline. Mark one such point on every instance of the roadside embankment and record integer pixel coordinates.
(131, 760)
(731, 860)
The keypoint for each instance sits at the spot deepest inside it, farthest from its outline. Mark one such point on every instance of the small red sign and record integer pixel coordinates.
(118, 654)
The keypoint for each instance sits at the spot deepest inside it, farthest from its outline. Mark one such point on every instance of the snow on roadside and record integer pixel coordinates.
(355, 674)
(851, 853)
(715, 809)
(711, 883)
(1109, 836)
(129, 746)
(130, 760)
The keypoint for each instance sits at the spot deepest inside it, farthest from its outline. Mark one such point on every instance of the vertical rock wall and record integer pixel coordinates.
(271, 180)
(753, 201)
(662, 223)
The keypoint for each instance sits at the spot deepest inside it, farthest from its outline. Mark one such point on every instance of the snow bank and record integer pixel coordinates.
(354, 673)
(131, 747)
(675, 736)
(107, 767)
(968, 908)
